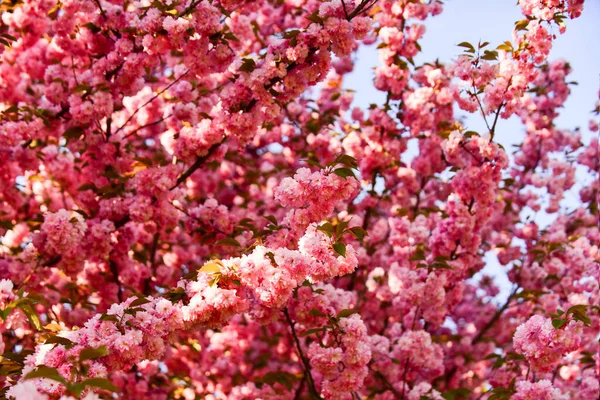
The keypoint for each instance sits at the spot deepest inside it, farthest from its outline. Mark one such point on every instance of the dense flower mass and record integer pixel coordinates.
(192, 208)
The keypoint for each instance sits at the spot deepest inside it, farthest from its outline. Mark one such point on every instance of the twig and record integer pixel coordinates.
(114, 269)
(388, 384)
(363, 6)
(307, 370)
(101, 9)
(474, 94)
(189, 8)
(493, 130)
(197, 164)
(148, 125)
(151, 100)
(408, 358)
(345, 11)
(152, 260)
(495, 318)
(555, 373)
(300, 387)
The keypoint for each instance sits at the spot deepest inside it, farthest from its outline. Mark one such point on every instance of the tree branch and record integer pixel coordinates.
(311, 382)
(495, 318)
(397, 394)
(151, 100)
(197, 164)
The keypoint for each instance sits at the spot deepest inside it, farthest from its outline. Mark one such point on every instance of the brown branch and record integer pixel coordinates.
(345, 11)
(114, 269)
(300, 387)
(362, 7)
(148, 125)
(197, 164)
(189, 8)
(101, 9)
(493, 130)
(152, 260)
(495, 318)
(151, 100)
(311, 383)
(397, 394)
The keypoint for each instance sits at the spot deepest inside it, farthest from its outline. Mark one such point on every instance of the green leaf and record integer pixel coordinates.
(456, 394)
(16, 357)
(109, 317)
(210, 267)
(282, 377)
(92, 354)
(498, 363)
(228, 242)
(314, 17)
(587, 358)
(92, 27)
(346, 313)
(59, 340)
(340, 248)
(501, 394)
(440, 265)
(521, 25)
(418, 256)
(73, 133)
(271, 219)
(558, 323)
(359, 232)
(314, 163)
(491, 356)
(139, 302)
(32, 315)
(468, 46)
(577, 308)
(291, 34)
(313, 330)
(8, 369)
(506, 46)
(248, 65)
(327, 227)
(316, 313)
(515, 356)
(6, 224)
(579, 314)
(469, 134)
(344, 172)
(340, 228)
(346, 160)
(10, 37)
(490, 55)
(45, 372)
(175, 295)
(88, 186)
(100, 383)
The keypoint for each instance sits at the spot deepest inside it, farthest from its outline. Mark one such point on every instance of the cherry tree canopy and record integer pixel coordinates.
(192, 208)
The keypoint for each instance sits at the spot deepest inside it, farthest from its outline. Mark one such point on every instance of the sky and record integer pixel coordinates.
(492, 21)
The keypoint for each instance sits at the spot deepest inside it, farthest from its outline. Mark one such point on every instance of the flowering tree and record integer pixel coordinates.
(182, 217)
